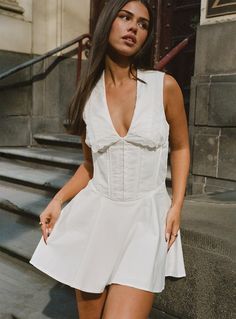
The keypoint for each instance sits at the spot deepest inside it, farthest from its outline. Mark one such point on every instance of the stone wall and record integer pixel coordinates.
(35, 100)
(213, 109)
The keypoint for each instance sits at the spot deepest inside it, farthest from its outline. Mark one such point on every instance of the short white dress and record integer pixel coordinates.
(113, 230)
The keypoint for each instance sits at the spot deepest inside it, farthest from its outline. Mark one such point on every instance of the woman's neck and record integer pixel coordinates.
(118, 72)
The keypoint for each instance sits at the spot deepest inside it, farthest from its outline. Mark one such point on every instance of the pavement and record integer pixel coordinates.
(27, 294)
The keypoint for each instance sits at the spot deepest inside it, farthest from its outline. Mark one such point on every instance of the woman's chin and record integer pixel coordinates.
(127, 52)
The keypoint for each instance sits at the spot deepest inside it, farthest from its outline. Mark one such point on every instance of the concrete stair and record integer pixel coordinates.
(59, 139)
(29, 176)
(46, 155)
(23, 200)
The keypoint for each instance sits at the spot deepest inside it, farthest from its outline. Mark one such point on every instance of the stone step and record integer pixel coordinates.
(18, 235)
(39, 176)
(59, 139)
(28, 293)
(220, 197)
(48, 155)
(23, 200)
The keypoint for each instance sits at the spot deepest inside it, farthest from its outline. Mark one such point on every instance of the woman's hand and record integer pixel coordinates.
(172, 225)
(49, 217)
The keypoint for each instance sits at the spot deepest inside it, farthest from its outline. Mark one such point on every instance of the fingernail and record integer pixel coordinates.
(167, 236)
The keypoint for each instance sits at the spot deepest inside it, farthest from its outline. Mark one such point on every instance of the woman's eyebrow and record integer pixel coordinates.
(133, 14)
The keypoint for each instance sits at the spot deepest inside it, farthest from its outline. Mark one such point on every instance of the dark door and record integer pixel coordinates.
(179, 19)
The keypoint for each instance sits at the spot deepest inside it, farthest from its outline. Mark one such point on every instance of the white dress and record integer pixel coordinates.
(113, 230)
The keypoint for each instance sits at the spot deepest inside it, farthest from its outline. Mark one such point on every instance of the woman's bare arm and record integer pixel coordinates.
(81, 177)
(75, 184)
(179, 150)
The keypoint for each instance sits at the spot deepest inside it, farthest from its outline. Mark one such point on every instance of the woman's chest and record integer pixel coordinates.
(146, 125)
(121, 104)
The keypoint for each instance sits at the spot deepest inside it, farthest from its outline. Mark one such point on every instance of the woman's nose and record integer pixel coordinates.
(133, 26)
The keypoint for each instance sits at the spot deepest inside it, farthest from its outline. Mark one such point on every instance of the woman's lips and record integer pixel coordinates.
(130, 39)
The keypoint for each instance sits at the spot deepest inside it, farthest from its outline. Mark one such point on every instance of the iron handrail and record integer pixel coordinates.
(46, 55)
(173, 52)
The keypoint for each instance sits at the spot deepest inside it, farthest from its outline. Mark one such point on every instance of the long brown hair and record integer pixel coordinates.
(96, 61)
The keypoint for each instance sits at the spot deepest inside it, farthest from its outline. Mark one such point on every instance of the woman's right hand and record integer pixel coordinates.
(49, 217)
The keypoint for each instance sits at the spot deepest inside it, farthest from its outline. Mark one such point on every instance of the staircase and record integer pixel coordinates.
(29, 176)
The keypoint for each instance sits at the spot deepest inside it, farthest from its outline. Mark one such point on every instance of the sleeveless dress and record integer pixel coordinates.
(113, 230)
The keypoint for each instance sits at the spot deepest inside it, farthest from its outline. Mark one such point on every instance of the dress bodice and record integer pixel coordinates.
(129, 167)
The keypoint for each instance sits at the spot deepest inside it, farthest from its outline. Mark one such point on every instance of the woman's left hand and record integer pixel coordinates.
(172, 225)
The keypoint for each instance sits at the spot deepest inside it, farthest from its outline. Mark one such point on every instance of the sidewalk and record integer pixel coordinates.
(27, 294)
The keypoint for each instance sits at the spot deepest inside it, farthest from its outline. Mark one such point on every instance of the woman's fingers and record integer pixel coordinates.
(168, 232)
(50, 228)
(172, 228)
(172, 238)
(44, 232)
(45, 222)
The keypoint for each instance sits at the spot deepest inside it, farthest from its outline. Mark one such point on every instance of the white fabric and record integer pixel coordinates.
(113, 230)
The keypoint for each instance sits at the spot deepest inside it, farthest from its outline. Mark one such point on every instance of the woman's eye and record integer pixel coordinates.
(124, 17)
(143, 25)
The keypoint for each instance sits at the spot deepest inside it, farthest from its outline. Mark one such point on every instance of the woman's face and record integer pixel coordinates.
(129, 30)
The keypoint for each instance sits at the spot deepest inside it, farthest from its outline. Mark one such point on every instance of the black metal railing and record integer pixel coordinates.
(81, 47)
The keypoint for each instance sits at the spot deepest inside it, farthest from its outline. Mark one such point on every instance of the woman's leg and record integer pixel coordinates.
(127, 303)
(90, 305)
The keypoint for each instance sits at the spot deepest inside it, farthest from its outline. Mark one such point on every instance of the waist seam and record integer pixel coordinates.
(160, 189)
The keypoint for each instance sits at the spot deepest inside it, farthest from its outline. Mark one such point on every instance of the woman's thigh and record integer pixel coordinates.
(127, 303)
(90, 305)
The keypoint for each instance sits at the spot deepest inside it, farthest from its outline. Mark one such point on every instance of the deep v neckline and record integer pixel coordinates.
(107, 108)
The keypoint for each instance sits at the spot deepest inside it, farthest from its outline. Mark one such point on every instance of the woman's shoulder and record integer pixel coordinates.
(168, 80)
(170, 83)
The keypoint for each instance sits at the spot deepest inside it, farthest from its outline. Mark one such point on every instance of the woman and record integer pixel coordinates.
(119, 236)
